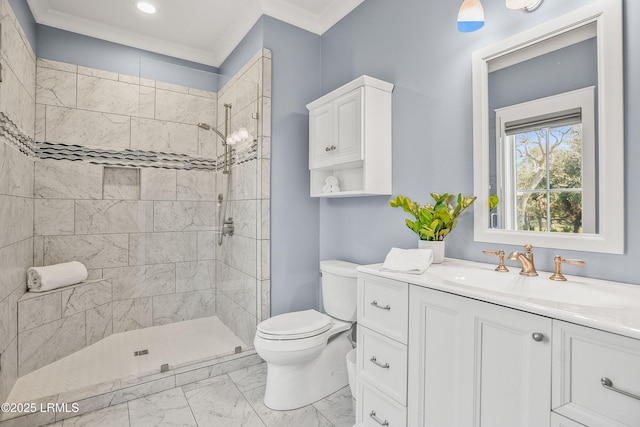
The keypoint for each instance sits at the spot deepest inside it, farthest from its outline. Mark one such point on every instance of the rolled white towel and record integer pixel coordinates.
(42, 279)
(335, 189)
(326, 189)
(412, 261)
(332, 180)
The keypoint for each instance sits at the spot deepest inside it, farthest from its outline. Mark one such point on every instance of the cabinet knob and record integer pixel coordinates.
(537, 336)
(327, 149)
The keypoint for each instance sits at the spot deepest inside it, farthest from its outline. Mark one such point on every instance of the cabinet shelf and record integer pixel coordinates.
(350, 139)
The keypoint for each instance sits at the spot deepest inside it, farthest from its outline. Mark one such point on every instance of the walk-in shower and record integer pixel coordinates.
(164, 303)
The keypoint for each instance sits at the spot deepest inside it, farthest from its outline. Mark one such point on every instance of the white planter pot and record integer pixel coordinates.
(437, 246)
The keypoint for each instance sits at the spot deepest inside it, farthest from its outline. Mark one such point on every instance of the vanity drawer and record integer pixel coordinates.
(383, 363)
(374, 409)
(383, 306)
(583, 358)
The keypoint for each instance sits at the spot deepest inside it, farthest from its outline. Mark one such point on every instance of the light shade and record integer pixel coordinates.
(527, 5)
(470, 16)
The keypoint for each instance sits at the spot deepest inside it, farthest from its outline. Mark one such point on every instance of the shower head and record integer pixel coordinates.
(207, 126)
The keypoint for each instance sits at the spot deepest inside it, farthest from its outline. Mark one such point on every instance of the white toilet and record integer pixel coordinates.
(305, 350)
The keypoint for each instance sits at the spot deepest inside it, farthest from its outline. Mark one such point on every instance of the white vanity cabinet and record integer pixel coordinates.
(350, 139)
(447, 348)
(473, 363)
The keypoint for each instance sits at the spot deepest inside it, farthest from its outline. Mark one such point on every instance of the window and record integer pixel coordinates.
(548, 175)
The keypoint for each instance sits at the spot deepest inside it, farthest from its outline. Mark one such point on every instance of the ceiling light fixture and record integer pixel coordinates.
(524, 5)
(145, 7)
(470, 16)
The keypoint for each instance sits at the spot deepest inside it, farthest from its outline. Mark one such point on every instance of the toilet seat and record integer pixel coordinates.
(295, 325)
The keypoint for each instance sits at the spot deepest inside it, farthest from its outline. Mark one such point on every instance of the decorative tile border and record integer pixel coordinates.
(10, 132)
(139, 158)
(125, 158)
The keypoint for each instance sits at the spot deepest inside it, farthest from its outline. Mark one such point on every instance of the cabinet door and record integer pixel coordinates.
(320, 136)
(440, 391)
(512, 375)
(476, 364)
(348, 127)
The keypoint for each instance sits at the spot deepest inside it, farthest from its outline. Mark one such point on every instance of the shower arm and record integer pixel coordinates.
(226, 169)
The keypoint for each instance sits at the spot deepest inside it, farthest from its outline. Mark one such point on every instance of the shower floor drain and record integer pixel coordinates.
(140, 352)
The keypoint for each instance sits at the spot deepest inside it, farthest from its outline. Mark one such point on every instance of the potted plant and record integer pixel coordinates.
(433, 222)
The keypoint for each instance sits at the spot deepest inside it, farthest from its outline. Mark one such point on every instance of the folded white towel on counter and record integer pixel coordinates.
(42, 279)
(412, 261)
(326, 188)
(332, 180)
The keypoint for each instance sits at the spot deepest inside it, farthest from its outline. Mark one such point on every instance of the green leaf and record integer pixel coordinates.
(493, 201)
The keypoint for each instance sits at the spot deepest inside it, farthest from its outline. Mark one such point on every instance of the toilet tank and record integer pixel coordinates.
(339, 289)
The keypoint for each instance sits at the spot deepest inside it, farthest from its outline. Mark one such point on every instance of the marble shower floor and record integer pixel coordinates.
(177, 344)
(233, 399)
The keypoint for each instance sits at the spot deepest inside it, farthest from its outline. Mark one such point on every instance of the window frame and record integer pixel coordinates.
(584, 99)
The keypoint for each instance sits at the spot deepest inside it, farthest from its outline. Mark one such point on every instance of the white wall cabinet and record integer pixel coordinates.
(350, 139)
(473, 363)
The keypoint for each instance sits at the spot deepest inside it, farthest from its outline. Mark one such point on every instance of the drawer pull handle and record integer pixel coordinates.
(375, 304)
(372, 415)
(608, 384)
(375, 362)
(537, 336)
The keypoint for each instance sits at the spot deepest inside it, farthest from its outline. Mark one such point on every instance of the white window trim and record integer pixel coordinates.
(581, 98)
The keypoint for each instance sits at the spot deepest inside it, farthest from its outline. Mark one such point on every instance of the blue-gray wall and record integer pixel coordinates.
(415, 45)
(294, 215)
(23, 13)
(64, 46)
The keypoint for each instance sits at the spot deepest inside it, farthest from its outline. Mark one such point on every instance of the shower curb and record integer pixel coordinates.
(74, 403)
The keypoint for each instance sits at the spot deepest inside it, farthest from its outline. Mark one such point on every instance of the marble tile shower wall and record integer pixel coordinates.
(242, 262)
(17, 94)
(149, 231)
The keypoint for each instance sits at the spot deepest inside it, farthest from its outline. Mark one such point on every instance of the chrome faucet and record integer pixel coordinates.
(528, 269)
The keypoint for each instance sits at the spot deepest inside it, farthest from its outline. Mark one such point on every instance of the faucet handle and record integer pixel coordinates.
(501, 268)
(558, 276)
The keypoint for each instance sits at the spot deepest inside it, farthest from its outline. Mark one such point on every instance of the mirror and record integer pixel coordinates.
(548, 134)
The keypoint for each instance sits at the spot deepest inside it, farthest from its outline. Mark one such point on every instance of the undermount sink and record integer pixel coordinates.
(528, 288)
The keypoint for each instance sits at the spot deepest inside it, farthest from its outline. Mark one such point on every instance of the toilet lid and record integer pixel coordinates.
(297, 324)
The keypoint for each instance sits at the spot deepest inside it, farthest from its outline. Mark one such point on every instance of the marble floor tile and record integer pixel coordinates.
(307, 416)
(250, 378)
(221, 404)
(112, 416)
(233, 399)
(338, 408)
(165, 409)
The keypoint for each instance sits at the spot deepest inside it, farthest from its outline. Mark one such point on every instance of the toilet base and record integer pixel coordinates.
(294, 386)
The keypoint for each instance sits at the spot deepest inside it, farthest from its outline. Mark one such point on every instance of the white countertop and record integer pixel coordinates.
(609, 306)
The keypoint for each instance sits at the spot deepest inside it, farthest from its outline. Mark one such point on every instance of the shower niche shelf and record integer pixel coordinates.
(350, 139)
